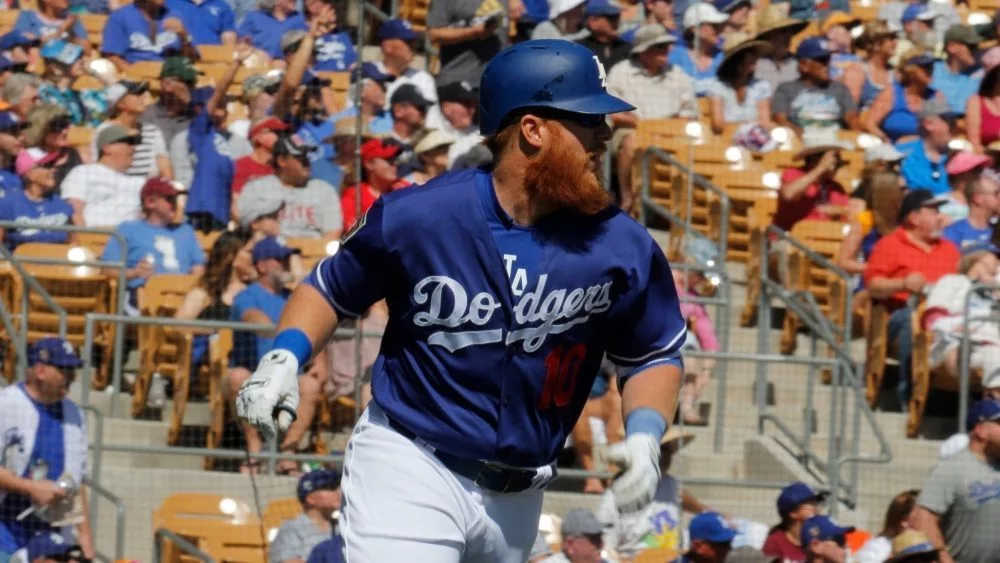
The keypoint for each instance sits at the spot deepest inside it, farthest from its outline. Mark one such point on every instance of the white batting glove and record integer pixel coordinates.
(639, 456)
(268, 400)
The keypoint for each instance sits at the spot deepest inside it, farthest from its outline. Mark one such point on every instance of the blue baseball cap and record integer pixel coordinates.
(822, 528)
(813, 48)
(54, 352)
(372, 71)
(61, 51)
(49, 544)
(10, 124)
(317, 480)
(602, 8)
(982, 411)
(729, 6)
(796, 494)
(917, 11)
(272, 247)
(711, 527)
(17, 39)
(397, 29)
(7, 64)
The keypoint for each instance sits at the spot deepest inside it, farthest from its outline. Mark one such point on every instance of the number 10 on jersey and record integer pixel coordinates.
(562, 365)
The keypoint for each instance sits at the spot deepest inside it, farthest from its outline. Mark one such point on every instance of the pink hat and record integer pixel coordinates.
(991, 59)
(965, 161)
(33, 157)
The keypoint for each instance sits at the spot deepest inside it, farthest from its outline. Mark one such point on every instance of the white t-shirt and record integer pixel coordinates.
(875, 550)
(309, 211)
(109, 197)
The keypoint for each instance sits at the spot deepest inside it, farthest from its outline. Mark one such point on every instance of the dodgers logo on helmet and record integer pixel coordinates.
(550, 73)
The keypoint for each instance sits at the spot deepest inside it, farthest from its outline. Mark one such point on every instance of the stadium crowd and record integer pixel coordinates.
(171, 163)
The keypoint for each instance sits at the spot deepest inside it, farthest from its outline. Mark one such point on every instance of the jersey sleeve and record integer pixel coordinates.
(647, 327)
(353, 279)
(112, 250)
(114, 40)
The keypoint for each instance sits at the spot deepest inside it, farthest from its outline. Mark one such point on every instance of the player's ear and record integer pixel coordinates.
(534, 130)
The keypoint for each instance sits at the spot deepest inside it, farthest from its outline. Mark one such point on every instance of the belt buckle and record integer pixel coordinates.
(486, 466)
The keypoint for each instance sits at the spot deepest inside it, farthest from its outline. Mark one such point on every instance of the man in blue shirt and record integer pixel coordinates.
(145, 30)
(10, 146)
(210, 22)
(334, 51)
(266, 26)
(36, 205)
(44, 447)
(924, 166)
(155, 244)
(959, 75)
(981, 194)
(703, 20)
(711, 538)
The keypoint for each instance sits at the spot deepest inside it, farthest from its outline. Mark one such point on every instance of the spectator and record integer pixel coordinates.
(965, 171)
(702, 27)
(311, 209)
(873, 75)
(959, 75)
(776, 28)
(344, 373)
(319, 493)
(797, 503)
(738, 97)
(102, 194)
(979, 194)
(37, 204)
(878, 158)
(172, 113)
(126, 103)
(37, 411)
(701, 253)
(20, 92)
(19, 46)
(912, 546)
(10, 147)
(960, 519)
(982, 113)
(540, 550)
(145, 30)
(460, 108)
(565, 21)
(155, 244)
(409, 114)
(334, 49)
(879, 548)
(263, 135)
(656, 89)
(50, 547)
(47, 133)
(468, 33)
(398, 42)
(738, 13)
(53, 22)
(63, 65)
(372, 82)
(262, 303)
(601, 19)
(581, 538)
(258, 97)
(432, 152)
(266, 26)
(925, 165)
(814, 100)
(378, 177)
(881, 195)
(711, 538)
(904, 262)
(9, 68)
(209, 22)
(918, 21)
(662, 12)
(940, 15)
(824, 541)
(811, 192)
(259, 214)
(339, 171)
(329, 551)
(837, 29)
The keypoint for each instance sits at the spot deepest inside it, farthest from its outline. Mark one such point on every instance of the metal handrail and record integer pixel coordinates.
(966, 350)
(98, 447)
(119, 516)
(183, 544)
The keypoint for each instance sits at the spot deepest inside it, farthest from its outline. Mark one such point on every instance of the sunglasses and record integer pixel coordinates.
(59, 125)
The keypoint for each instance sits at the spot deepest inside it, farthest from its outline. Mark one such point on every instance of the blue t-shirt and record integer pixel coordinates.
(9, 182)
(175, 249)
(335, 52)
(48, 461)
(966, 237)
(328, 171)
(919, 172)
(680, 56)
(265, 31)
(204, 22)
(379, 124)
(32, 22)
(126, 34)
(957, 87)
(51, 210)
(271, 304)
(329, 551)
(213, 172)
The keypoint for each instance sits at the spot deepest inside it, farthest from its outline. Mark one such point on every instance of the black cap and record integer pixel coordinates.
(457, 92)
(408, 94)
(916, 199)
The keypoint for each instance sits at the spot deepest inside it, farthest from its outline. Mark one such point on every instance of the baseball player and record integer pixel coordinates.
(505, 289)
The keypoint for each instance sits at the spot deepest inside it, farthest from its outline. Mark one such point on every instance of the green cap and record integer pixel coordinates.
(181, 68)
(963, 34)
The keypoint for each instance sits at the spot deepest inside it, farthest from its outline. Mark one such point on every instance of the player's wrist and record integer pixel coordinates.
(296, 343)
(645, 420)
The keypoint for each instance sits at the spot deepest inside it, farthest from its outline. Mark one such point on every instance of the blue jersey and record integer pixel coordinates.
(127, 35)
(249, 347)
(9, 182)
(50, 211)
(29, 21)
(335, 52)
(966, 237)
(265, 31)
(491, 366)
(174, 249)
(204, 22)
(213, 172)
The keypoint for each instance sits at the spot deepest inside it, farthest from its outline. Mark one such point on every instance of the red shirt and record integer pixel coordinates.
(791, 212)
(246, 169)
(896, 256)
(348, 203)
(778, 545)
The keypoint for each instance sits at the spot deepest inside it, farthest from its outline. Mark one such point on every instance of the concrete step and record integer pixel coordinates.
(140, 433)
(196, 413)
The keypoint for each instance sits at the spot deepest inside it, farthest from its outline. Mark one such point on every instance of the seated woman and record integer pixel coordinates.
(63, 65)
(867, 78)
(982, 113)
(879, 548)
(895, 112)
(736, 96)
(51, 22)
(47, 133)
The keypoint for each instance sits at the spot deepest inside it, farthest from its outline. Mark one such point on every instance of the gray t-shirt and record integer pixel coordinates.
(965, 492)
(777, 72)
(309, 211)
(295, 539)
(169, 125)
(811, 106)
(466, 60)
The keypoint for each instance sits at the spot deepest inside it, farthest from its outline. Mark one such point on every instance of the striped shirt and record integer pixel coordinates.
(109, 197)
(144, 163)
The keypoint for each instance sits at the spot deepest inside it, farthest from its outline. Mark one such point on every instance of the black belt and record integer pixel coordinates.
(489, 476)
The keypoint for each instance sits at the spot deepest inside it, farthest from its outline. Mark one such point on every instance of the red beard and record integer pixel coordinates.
(563, 177)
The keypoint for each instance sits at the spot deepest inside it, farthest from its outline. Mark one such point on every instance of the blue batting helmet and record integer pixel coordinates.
(551, 73)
